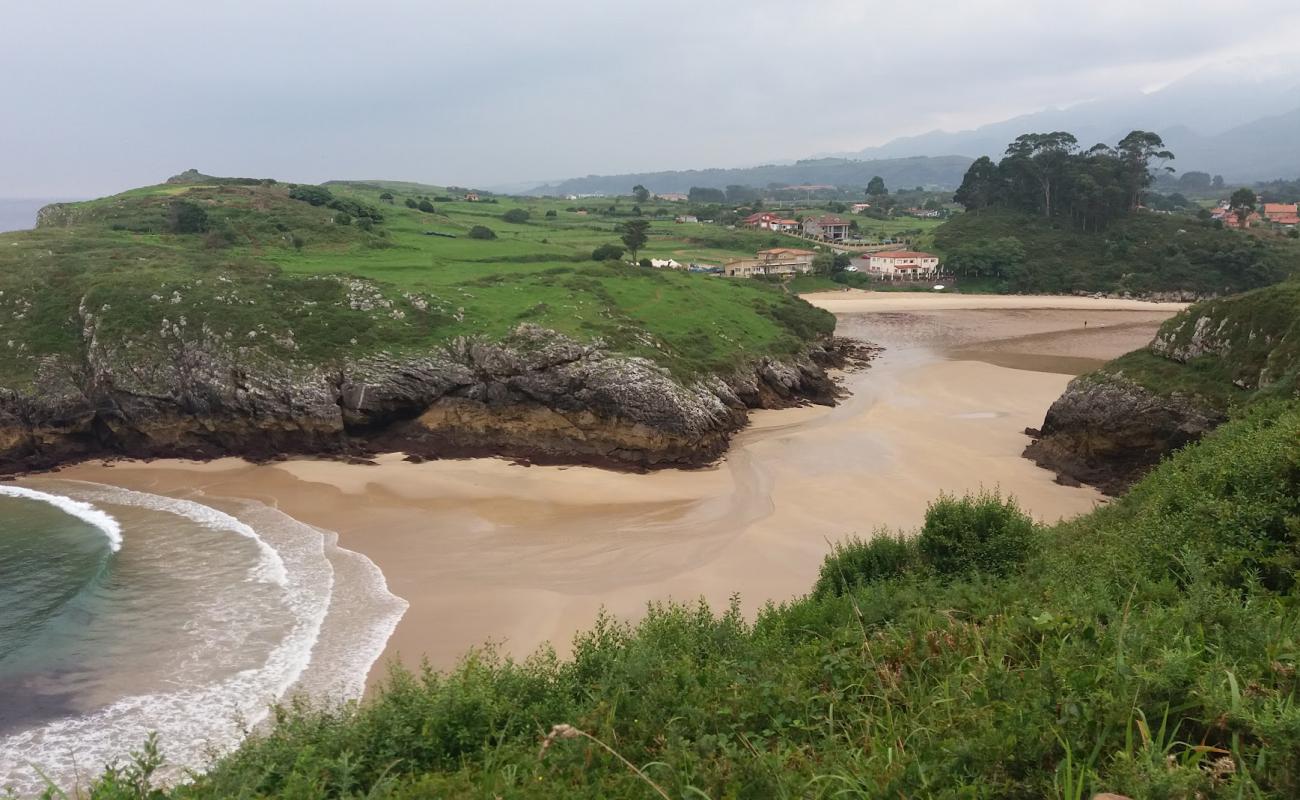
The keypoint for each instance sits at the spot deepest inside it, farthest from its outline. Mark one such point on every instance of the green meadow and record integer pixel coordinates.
(253, 263)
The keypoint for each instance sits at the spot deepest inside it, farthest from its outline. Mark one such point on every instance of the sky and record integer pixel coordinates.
(97, 97)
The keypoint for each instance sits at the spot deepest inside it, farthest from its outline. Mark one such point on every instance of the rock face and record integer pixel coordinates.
(535, 395)
(1109, 428)
(1108, 431)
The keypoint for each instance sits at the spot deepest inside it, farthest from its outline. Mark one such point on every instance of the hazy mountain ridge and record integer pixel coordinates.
(941, 171)
(1220, 120)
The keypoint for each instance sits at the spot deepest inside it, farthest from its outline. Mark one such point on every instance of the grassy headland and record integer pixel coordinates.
(246, 263)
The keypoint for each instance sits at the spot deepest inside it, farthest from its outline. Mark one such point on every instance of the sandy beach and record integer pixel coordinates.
(485, 550)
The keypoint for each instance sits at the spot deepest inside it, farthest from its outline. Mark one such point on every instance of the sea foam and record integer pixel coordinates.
(81, 510)
(194, 722)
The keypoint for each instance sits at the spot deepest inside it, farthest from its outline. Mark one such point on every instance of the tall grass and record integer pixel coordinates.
(1149, 649)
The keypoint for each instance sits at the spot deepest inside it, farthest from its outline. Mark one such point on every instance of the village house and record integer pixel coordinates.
(1284, 214)
(858, 208)
(783, 261)
(471, 197)
(903, 265)
(768, 221)
(673, 197)
(829, 228)
(687, 218)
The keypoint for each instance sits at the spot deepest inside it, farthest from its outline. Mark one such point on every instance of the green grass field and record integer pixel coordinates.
(255, 276)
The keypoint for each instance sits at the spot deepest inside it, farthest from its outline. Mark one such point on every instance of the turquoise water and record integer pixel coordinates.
(124, 613)
(52, 568)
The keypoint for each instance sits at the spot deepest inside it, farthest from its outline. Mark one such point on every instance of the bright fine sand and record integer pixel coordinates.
(485, 550)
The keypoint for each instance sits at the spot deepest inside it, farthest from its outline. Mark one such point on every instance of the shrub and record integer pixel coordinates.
(482, 232)
(985, 533)
(607, 252)
(186, 217)
(551, 214)
(315, 195)
(855, 562)
(298, 242)
(387, 197)
(425, 206)
(645, 262)
(342, 219)
(516, 216)
(411, 203)
(365, 223)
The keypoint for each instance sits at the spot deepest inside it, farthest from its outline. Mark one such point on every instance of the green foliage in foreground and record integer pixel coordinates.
(1149, 648)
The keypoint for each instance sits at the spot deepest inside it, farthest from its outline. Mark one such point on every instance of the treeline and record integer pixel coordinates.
(1048, 175)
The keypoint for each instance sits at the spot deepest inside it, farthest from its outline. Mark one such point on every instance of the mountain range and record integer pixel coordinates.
(1238, 119)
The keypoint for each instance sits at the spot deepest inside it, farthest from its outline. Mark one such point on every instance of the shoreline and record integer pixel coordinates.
(487, 550)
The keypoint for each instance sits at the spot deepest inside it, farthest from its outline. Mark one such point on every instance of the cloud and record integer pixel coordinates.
(99, 97)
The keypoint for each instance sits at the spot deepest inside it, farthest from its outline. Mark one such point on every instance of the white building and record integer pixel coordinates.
(903, 265)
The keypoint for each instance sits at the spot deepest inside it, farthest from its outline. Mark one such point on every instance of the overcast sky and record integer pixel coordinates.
(96, 97)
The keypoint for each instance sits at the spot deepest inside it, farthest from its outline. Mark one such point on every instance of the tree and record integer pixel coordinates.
(482, 232)
(1136, 152)
(700, 194)
(876, 187)
(1194, 181)
(425, 206)
(607, 252)
(1041, 159)
(640, 193)
(981, 186)
(516, 216)
(1217, 183)
(636, 232)
(1242, 204)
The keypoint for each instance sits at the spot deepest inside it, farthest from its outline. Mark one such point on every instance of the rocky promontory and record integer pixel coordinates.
(535, 395)
(1111, 426)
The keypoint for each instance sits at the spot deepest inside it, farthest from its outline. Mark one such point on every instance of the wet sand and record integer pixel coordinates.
(485, 550)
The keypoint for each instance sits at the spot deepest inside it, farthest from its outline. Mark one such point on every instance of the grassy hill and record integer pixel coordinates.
(1142, 253)
(1149, 648)
(246, 263)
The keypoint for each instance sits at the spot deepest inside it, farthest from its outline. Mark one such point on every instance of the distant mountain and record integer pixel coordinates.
(938, 172)
(1230, 120)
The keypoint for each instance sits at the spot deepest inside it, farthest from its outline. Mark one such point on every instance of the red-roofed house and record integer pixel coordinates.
(903, 265)
(1286, 214)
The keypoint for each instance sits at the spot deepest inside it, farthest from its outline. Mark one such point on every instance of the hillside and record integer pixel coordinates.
(1214, 359)
(1147, 649)
(250, 316)
(1141, 253)
(940, 171)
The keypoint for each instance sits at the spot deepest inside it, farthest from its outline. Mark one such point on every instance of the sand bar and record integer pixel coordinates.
(487, 550)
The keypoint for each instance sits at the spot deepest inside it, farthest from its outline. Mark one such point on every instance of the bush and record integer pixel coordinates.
(551, 214)
(186, 217)
(298, 242)
(425, 206)
(387, 197)
(516, 216)
(645, 262)
(984, 533)
(856, 562)
(411, 203)
(315, 195)
(365, 223)
(607, 252)
(342, 219)
(482, 232)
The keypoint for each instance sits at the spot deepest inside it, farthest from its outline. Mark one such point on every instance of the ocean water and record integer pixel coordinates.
(124, 613)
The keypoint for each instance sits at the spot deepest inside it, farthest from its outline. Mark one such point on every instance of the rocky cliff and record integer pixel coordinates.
(535, 394)
(1110, 427)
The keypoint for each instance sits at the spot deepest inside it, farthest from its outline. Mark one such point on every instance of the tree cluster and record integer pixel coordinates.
(1047, 174)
